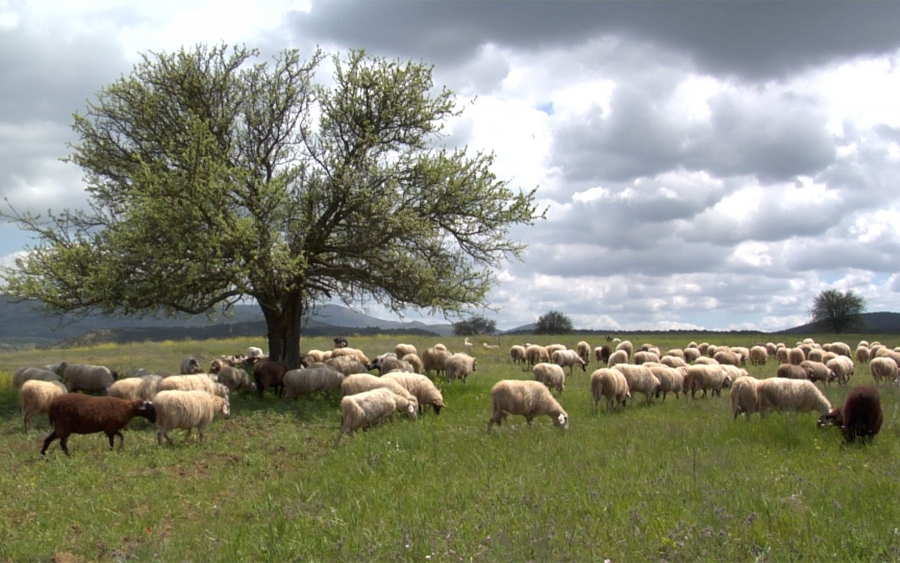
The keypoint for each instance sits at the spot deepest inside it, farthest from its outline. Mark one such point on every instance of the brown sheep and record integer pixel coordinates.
(74, 413)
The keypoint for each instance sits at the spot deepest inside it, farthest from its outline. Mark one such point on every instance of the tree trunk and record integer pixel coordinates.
(283, 330)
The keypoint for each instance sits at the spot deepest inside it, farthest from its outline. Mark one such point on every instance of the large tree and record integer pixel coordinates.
(837, 312)
(474, 326)
(553, 322)
(213, 177)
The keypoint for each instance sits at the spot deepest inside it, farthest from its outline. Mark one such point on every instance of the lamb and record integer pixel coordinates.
(422, 388)
(236, 379)
(35, 396)
(487, 346)
(527, 398)
(759, 355)
(187, 410)
(401, 350)
(817, 371)
(433, 359)
(601, 353)
(269, 373)
(200, 381)
(617, 357)
(90, 378)
(883, 368)
(778, 393)
(551, 375)
(609, 383)
(415, 361)
(535, 354)
(517, 354)
(744, 396)
(703, 377)
(639, 379)
(583, 349)
(306, 381)
(190, 365)
(135, 387)
(26, 373)
(569, 359)
(459, 366)
(73, 413)
(860, 417)
(360, 382)
(671, 380)
(365, 409)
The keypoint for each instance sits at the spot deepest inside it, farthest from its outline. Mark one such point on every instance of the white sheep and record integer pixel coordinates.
(35, 396)
(254, 352)
(354, 353)
(673, 361)
(306, 381)
(130, 388)
(645, 356)
(186, 410)
(639, 379)
(583, 349)
(796, 355)
(691, 354)
(415, 361)
(759, 355)
(86, 377)
(617, 357)
(744, 396)
(517, 354)
(401, 350)
(526, 398)
(535, 354)
(360, 382)
(433, 359)
(862, 354)
(551, 375)
(778, 393)
(671, 379)
(627, 346)
(817, 371)
(703, 377)
(609, 383)
(883, 368)
(200, 381)
(568, 359)
(459, 366)
(842, 367)
(365, 409)
(422, 388)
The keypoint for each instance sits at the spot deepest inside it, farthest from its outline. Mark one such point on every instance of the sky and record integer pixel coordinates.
(704, 165)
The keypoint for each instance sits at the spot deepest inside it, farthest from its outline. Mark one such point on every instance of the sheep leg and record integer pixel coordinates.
(64, 444)
(48, 441)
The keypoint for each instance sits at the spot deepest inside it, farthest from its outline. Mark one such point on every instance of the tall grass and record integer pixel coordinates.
(678, 480)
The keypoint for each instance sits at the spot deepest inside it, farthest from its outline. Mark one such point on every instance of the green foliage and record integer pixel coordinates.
(209, 181)
(474, 326)
(838, 312)
(679, 480)
(553, 322)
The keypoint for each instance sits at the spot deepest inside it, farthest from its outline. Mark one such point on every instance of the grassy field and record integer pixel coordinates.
(679, 480)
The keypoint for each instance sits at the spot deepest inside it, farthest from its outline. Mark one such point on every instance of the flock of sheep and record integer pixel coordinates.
(194, 397)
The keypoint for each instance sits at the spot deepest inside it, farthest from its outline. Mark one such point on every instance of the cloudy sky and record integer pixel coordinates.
(706, 165)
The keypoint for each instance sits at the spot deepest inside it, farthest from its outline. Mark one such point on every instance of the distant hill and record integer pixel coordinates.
(875, 323)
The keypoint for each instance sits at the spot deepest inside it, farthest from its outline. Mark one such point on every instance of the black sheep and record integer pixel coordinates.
(269, 373)
(860, 417)
(74, 413)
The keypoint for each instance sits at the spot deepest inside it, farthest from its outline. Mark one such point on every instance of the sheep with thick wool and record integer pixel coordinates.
(434, 359)
(759, 355)
(401, 350)
(420, 387)
(347, 365)
(415, 361)
(673, 361)
(617, 357)
(89, 378)
(601, 353)
(862, 354)
(817, 371)
(705, 377)
(583, 349)
(459, 366)
(395, 364)
(526, 398)
(551, 375)
(306, 381)
(236, 379)
(671, 379)
(860, 417)
(26, 373)
(535, 354)
(517, 354)
(691, 354)
(791, 371)
(883, 368)
(196, 382)
(269, 373)
(354, 353)
(190, 365)
(644, 357)
(74, 413)
(842, 367)
(639, 379)
(800, 395)
(744, 396)
(35, 397)
(186, 410)
(360, 382)
(611, 384)
(627, 346)
(144, 387)
(568, 359)
(368, 408)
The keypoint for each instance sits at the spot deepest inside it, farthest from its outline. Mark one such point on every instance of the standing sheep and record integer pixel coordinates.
(860, 417)
(843, 367)
(617, 357)
(527, 398)
(268, 373)
(74, 413)
(459, 365)
(197, 382)
(639, 379)
(236, 379)
(360, 382)
(35, 397)
(144, 387)
(433, 359)
(583, 349)
(517, 354)
(759, 355)
(366, 409)
(401, 350)
(89, 378)
(186, 410)
(609, 383)
(347, 365)
(778, 393)
(306, 381)
(671, 380)
(25, 373)
(190, 365)
(744, 397)
(422, 388)
(601, 353)
(569, 359)
(415, 361)
(535, 354)
(703, 377)
(551, 375)
(883, 368)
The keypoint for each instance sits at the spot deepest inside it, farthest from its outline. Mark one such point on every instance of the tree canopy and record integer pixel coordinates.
(553, 322)
(474, 326)
(838, 312)
(213, 177)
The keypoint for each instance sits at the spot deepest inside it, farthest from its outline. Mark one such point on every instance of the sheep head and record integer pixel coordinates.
(147, 410)
(834, 417)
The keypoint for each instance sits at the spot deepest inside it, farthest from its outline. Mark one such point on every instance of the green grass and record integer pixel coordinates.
(677, 481)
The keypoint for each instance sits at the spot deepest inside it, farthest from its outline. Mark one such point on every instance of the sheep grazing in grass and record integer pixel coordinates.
(883, 369)
(671, 380)
(360, 382)
(517, 354)
(583, 349)
(316, 357)
(535, 354)
(551, 375)
(791, 371)
(186, 410)
(526, 398)
(842, 367)
(860, 416)
(617, 357)
(144, 387)
(88, 378)
(368, 408)
(25, 373)
(415, 361)
(601, 353)
(395, 364)
(627, 346)
(269, 373)
(801, 395)
(459, 366)
(839, 348)
(190, 365)
(422, 388)
(568, 359)
(817, 371)
(691, 354)
(35, 397)
(759, 355)
(705, 377)
(401, 350)
(862, 354)
(306, 381)
(354, 353)
(434, 359)
(74, 413)
(639, 379)
(744, 397)
(796, 355)
(197, 382)
(644, 356)
(727, 357)
(347, 365)
(611, 384)
(236, 379)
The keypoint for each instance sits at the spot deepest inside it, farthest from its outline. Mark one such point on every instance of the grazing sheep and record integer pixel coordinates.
(306, 381)
(671, 380)
(554, 347)
(200, 381)
(734, 372)
(778, 393)
(89, 378)
(782, 355)
(727, 357)
(617, 357)
(601, 353)
(705, 361)
(353, 353)
(790, 371)
(796, 355)
(359, 382)
(609, 383)
(840, 348)
(843, 367)
(459, 366)
(346, 365)
(817, 371)
(135, 387)
(415, 361)
(376, 363)
(433, 359)
(627, 346)
(583, 349)
(535, 354)
(190, 365)
(186, 410)
(568, 359)
(395, 364)
(639, 379)
(268, 373)
(35, 397)
(401, 350)
(691, 354)
(25, 373)
(422, 388)
(551, 375)
(643, 357)
(73, 413)
(860, 417)
(759, 355)
(316, 357)
(368, 408)
(673, 361)
(744, 397)
(526, 398)
(816, 355)
(883, 368)
(862, 354)
(517, 354)
(703, 377)
(236, 379)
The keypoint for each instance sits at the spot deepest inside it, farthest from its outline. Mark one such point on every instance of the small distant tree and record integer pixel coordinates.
(474, 326)
(838, 312)
(553, 322)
